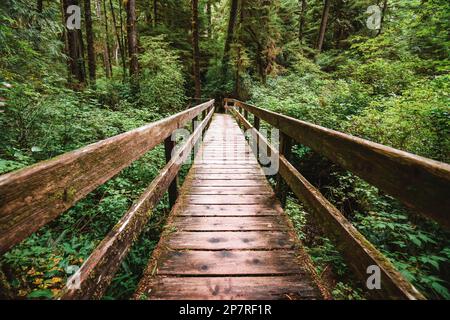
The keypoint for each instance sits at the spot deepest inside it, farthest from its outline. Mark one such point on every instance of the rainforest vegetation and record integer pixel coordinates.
(137, 61)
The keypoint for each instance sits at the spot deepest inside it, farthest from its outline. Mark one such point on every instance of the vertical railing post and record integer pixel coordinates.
(256, 126)
(246, 114)
(284, 149)
(169, 145)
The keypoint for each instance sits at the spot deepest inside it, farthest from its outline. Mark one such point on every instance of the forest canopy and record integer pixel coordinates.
(383, 76)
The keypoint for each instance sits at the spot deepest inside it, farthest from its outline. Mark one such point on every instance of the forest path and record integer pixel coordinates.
(227, 236)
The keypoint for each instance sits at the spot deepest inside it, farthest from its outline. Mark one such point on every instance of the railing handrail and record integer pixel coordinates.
(33, 196)
(420, 183)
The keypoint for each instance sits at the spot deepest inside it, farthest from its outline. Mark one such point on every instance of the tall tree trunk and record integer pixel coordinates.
(383, 13)
(90, 40)
(39, 6)
(132, 40)
(209, 17)
(338, 29)
(101, 13)
(74, 48)
(155, 13)
(302, 20)
(39, 9)
(195, 47)
(238, 67)
(122, 33)
(118, 38)
(323, 25)
(230, 33)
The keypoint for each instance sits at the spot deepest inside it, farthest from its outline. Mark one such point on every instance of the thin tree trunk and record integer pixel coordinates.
(302, 19)
(74, 48)
(107, 39)
(230, 32)
(237, 82)
(106, 56)
(122, 33)
(90, 41)
(323, 25)
(40, 6)
(196, 49)
(148, 12)
(338, 30)
(132, 40)
(39, 9)
(383, 13)
(119, 40)
(155, 13)
(209, 17)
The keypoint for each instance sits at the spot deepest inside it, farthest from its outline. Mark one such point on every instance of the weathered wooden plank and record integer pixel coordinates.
(230, 241)
(420, 183)
(230, 288)
(359, 253)
(33, 196)
(226, 263)
(229, 176)
(251, 223)
(206, 170)
(229, 199)
(228, 210)
(219, 183)
(230, 190)
(99, 269)
(225, 166)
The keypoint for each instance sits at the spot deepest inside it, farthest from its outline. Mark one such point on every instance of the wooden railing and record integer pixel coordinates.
(421, 184)
(34, 196)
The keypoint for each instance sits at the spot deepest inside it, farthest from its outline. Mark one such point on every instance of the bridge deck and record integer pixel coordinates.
(227, 236)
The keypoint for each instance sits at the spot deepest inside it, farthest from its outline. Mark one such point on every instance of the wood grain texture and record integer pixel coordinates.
(231, 288)
(200, 190)
(264, 223)
(228, 210)
(420, 183)
(34, 196)
(219, 240)
(226, 263)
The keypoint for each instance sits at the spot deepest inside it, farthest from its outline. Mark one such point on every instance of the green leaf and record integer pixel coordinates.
(44, 293)
(441, 290)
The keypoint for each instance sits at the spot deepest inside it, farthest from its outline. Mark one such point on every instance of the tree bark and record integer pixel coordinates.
(90, 41)
(155, 13)
(383, 13)
(118, 38)
(132, 40)
(302, 19)
(74, 48)
(209, 17)
(230, 32)
(238, 66)
(323, 25)
(196, 49)
(40, 6)
(106, 50)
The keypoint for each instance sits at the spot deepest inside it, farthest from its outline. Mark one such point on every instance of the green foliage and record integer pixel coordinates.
(161, 83)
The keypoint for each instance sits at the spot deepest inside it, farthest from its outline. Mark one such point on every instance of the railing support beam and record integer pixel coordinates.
(169, 145)
(281, 188)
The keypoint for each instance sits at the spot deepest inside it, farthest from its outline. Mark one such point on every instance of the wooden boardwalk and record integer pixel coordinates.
(227, 236)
